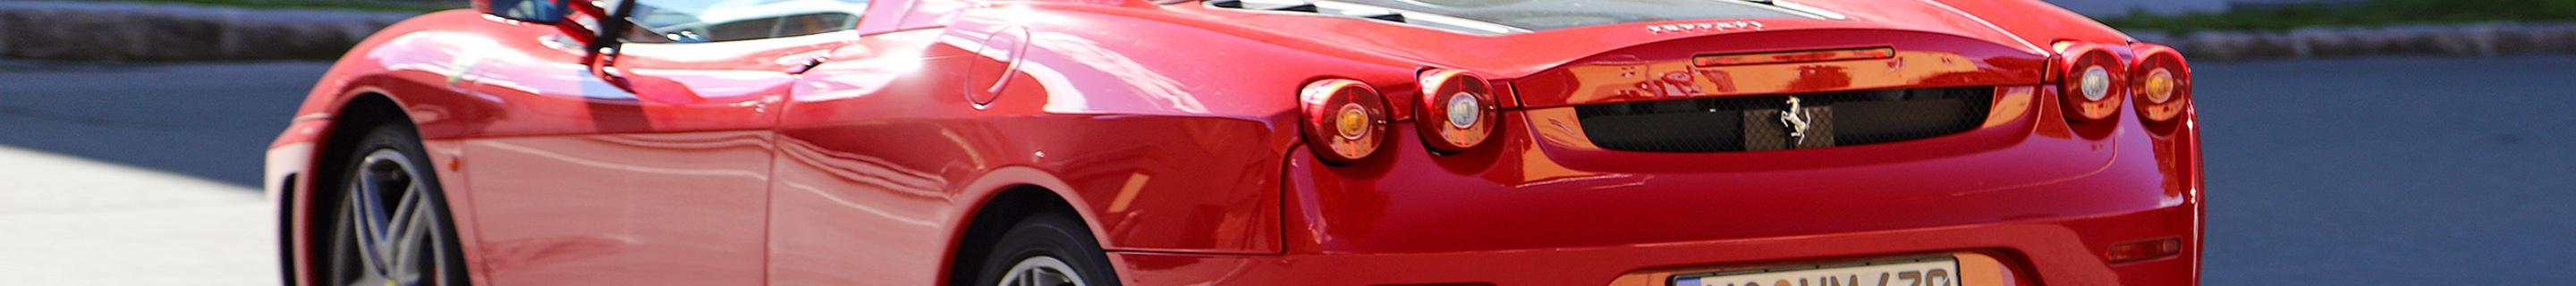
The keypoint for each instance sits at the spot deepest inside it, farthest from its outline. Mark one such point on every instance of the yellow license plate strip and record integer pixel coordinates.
(1930, 271)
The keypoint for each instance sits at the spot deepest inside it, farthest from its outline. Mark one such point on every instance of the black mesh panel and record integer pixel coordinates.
(1719, 124)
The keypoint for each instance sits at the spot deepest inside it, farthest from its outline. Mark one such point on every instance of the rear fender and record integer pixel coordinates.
(1208, 112)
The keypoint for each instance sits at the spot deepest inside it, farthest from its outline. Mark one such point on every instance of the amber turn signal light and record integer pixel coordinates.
(1345, 120)
(2144, 250)
(2091, 80)
(2162, 83)
(1456, 110)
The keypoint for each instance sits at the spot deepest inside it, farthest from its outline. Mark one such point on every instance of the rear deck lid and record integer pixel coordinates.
(1792, 61)
(1512, 39)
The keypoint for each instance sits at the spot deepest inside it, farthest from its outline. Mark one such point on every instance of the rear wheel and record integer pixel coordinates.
(389, 224)
(1047, 250)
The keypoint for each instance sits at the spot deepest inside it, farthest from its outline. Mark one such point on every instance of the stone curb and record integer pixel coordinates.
(2453, 40)
(106, 31)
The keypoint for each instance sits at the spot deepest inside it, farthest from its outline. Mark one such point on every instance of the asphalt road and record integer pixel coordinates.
(2396, 171)
(211, 121)
(2101, 8)
(2321, 172)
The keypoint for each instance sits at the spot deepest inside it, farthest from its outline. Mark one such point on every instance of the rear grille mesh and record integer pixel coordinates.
(1751, 123)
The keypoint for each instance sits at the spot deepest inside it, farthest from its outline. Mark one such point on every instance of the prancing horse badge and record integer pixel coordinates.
(1796, 121)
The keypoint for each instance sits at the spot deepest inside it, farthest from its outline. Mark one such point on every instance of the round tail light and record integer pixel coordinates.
(2163, 84)
(1345, 120)
(1456, 111)
(2093, 83)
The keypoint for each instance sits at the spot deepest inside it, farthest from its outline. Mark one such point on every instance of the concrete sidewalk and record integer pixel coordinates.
(71, 221)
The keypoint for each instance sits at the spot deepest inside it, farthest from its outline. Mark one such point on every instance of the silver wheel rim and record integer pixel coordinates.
(1041, 271)
(387, 225)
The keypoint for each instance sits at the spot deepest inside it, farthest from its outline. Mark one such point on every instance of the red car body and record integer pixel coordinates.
(1174, 130)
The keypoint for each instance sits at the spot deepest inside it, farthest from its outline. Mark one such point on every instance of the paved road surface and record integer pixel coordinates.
(2408, 171)
(2401, 171)
(210, 121)
(2103, 8)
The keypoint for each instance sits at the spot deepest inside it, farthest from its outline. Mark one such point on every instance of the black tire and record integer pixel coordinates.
(1046, 236)
(405, 237)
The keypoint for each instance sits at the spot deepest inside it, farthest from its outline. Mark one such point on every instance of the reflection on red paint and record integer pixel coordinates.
(1794, 57)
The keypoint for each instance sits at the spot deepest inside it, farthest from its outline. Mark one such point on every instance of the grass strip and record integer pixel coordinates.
(2366, 14)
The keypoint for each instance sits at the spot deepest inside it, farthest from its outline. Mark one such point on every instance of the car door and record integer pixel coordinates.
(646, 162)
(861, 190)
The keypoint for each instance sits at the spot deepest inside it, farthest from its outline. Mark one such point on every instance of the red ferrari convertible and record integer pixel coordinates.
(1245, 142)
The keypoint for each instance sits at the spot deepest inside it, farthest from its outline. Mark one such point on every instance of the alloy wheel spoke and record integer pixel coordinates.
(398, 223)
(1040, 271)
(349, 258)
(403, 229)
(1049, 278)
(389, 219)
(368, 280)
(409, 246)
(366, 220)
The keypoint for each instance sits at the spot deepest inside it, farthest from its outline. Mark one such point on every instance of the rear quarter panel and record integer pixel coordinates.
(1165, 133)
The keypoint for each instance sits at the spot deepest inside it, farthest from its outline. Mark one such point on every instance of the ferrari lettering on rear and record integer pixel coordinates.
(1719, 26)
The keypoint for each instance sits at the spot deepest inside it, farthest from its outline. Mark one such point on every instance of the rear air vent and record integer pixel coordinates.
(1754, 123)
(1369, 12)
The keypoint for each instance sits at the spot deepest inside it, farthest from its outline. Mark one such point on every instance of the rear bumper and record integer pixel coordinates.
(2031, 199)
(2057, 252)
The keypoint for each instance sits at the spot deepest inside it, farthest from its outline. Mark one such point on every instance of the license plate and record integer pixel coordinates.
(1938, 271)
